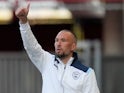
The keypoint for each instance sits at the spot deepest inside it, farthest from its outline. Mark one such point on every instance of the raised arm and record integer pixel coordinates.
(37, 55)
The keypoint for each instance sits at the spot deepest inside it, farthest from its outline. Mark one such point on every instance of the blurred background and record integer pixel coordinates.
(98, 25)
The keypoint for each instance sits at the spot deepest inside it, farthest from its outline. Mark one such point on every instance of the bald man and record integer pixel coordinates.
(62, 72)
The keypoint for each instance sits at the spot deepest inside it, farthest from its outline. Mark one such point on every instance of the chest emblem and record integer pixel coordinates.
(75, 75)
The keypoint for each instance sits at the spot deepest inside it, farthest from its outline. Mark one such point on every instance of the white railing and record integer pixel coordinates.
(18, 74)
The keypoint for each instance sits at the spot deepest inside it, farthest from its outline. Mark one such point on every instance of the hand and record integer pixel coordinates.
(22, 13)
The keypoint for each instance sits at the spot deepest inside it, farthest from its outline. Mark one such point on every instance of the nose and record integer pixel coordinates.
(58, 43)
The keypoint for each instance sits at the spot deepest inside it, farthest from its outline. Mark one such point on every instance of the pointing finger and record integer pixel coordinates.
(28, 6)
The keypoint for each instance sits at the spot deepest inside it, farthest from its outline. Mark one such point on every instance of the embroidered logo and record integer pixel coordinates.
(76, 75)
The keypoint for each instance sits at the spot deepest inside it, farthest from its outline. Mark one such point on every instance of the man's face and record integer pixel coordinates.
(64, 44)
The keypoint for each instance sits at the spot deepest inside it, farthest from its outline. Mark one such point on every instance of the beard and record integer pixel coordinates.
(61, 56)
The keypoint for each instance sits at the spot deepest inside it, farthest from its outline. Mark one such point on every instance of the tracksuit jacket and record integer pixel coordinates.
(58, 77)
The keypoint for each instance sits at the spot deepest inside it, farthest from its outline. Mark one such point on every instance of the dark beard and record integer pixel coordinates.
(62, 56)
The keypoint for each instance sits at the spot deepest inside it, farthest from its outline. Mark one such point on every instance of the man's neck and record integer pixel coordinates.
(66, 59)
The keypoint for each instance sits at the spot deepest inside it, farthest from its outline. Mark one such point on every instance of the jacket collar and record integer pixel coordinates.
(75, 56)
(77, 64)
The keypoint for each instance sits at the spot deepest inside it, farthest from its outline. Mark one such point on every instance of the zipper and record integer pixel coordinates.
(62, 77)
(64, 67)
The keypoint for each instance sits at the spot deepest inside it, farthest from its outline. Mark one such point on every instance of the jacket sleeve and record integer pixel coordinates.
(90, 84)
(35, 52)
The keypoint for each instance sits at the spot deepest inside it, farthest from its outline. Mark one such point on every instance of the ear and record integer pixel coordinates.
(73, 47)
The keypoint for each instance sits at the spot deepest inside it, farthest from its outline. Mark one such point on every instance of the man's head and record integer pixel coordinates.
(65, 44)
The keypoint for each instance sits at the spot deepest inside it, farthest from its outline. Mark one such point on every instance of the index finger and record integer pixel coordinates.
(28, 6)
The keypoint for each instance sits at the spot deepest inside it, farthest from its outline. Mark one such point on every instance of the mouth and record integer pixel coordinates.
(58, 50)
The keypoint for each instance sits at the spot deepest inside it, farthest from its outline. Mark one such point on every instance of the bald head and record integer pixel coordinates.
(72, 35)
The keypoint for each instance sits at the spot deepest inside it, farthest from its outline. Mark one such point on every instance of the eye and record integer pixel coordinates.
(63, 40)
